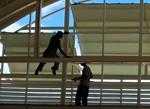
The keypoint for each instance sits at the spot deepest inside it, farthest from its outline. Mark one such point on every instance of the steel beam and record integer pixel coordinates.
(89, 59)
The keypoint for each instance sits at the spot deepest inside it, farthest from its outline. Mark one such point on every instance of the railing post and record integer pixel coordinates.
(64, 66)
(37, 27)
(141, 16)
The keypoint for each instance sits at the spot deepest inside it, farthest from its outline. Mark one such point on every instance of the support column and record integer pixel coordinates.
(103, 41)
(140, 49)
(37, 27)
(27, 71)
(2, 66)
(64, 66)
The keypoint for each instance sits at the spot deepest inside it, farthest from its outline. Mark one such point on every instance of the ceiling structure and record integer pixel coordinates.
(9, 16)
(120, 33)
(115, 34)
(120, 28)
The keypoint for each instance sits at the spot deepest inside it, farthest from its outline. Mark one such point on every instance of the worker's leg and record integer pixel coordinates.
(56, 65)
(78, 96)
(85, 95)
(39, 68)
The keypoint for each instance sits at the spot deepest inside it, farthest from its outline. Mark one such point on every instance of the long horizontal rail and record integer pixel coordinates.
(20, 106)
(87, 27)
(89, 59)
(71, 76)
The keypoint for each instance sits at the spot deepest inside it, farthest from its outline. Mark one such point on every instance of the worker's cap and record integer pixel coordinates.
(61, 33)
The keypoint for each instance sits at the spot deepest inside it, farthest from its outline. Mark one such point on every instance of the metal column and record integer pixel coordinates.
(37, 27)
(64, 66)
(103, 39)
(140, 49)
(29, 45)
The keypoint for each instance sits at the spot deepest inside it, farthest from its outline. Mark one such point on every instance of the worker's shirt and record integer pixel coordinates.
(86, 74)
(54, 44)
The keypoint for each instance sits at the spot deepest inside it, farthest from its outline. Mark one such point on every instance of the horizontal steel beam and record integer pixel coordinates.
(71, 76)
(89, 59)
(88, 27)
(30, 106)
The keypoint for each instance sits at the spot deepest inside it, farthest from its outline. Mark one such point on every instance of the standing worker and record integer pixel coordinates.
(51, 52)
(83, 88)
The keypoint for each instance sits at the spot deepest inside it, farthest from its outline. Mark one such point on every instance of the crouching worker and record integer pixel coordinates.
(51, 52)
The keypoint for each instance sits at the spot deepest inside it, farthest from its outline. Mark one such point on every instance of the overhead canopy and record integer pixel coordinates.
(119, 18)
(120, 25)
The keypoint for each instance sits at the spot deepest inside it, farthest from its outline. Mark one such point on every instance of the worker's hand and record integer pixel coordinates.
(68, 57)
(75, 79)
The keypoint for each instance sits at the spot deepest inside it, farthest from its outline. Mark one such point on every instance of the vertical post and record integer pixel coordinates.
(2, 64)
(64, 66)
(121, 91)
(29, 43)
(72, 85)
(2, 67)
(140, 49)
(37, 27)
(103, 39)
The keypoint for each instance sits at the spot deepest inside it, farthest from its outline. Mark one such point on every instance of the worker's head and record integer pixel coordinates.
(83, 64)
(59, 34)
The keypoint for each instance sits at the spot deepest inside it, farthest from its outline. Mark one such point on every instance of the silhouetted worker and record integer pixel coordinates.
(51, 52)
(83, 88)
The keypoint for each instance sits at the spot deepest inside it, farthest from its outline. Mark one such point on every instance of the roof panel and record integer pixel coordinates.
(121, 26)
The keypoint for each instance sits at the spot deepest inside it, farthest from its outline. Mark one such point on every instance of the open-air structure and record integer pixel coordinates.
(113, 39)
